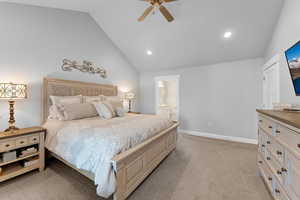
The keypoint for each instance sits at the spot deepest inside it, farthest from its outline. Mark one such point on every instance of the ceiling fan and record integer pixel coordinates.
(157, 4)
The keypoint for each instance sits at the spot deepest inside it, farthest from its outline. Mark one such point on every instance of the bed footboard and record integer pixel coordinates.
(133, 166)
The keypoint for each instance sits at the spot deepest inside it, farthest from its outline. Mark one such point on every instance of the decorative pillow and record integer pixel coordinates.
(115, 101)
(65, 99)
(78, 111)
(55, 113)
(104, 110)
(120, 112)
(91, 99)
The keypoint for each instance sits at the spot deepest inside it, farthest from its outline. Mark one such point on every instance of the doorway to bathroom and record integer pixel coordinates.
(167, 96)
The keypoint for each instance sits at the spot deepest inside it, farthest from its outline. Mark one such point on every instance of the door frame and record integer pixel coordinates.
(274, 63)
(167, 78)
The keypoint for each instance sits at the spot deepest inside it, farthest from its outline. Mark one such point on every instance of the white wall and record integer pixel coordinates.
(35, 40)
(219, 99)
(286, 34)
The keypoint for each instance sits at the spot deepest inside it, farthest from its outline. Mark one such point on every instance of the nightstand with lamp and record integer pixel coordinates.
(21, 150)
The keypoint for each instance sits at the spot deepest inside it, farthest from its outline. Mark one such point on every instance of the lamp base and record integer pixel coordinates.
(11, 128)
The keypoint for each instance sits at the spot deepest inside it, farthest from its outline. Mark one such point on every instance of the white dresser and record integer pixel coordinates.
(279, 153)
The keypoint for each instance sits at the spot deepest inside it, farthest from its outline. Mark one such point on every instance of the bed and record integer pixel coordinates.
(129, 166)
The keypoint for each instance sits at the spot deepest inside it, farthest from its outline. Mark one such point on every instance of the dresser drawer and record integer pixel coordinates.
(276, 167)
(278, 191)
(7, 145)
(265, 172)
(289, 138)
(22, 141)
(266, 125)
(33, 139)
(277, 151)
(293, 177)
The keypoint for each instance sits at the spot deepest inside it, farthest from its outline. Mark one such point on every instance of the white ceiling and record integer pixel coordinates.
(195, 37)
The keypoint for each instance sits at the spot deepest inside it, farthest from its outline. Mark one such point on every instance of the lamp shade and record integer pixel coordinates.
(129, 95)
(13, 91)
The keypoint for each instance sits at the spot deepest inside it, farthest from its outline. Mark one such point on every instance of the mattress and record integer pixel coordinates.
(90, 144)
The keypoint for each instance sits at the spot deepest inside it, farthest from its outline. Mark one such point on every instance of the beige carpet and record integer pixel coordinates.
(199, 169)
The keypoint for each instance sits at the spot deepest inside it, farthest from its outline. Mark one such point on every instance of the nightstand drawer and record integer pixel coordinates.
(20, 142)
(34, 139)
(7, 145)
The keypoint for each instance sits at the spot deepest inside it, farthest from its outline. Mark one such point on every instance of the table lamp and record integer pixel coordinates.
(12, 92)
(130, 96)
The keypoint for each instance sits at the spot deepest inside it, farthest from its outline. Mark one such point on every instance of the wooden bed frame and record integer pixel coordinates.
(132, 166)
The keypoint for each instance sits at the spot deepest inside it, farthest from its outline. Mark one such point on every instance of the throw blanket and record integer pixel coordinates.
(90, 144)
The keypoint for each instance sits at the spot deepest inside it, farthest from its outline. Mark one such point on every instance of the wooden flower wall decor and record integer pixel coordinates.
(85, 66)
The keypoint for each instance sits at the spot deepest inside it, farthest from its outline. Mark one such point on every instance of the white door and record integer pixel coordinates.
(271, 85)
(167, 96)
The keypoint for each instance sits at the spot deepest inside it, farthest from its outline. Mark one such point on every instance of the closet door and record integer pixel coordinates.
(271, 84)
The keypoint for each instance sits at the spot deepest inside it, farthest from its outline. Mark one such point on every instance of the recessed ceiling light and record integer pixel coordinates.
(149, 53)
(227, 34)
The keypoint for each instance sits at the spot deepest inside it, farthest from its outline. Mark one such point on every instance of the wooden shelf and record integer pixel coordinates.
(16, 169)
(19, 159)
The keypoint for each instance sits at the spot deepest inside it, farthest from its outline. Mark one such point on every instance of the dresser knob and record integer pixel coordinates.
(277, 191)
(260, 121)
(22, 142)
(7, 145)
(270, 127)
(279, 153)
(268, 142)
(279, 172)
(263, 145)
(277, 131)
(260, 162)
(268, 158)
(298, 145)
(270, 178)
(283, 170)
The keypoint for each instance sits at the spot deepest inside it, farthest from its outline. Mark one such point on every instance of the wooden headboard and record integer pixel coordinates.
(58, 87)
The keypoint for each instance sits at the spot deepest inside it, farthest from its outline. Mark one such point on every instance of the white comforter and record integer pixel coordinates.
(90, 144)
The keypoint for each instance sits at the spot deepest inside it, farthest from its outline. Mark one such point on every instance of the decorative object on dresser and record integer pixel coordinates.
(21, 151)
(12, 92)
(279, 152)
(86, 67)
(130, 96)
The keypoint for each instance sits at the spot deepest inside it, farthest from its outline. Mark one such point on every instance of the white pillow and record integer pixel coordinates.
(104, 110)
(91, 99)
(78, 111)
(112, 98)
(65, 99)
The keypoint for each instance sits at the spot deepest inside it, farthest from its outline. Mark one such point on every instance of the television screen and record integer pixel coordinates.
(293, 60)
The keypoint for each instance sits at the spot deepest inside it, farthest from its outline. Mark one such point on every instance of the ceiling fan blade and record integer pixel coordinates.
(146, 13)
(166, 13)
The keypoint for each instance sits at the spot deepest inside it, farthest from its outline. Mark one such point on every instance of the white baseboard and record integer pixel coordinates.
(219, 137)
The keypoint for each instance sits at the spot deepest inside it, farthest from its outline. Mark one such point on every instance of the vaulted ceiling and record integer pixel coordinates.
(195, 37)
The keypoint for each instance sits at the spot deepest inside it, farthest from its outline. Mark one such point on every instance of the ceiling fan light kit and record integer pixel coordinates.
(157, 4)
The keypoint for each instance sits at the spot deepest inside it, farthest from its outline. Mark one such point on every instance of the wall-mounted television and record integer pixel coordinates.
(293, 60)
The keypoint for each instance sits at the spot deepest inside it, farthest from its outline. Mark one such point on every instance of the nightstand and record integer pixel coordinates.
(21, 151)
